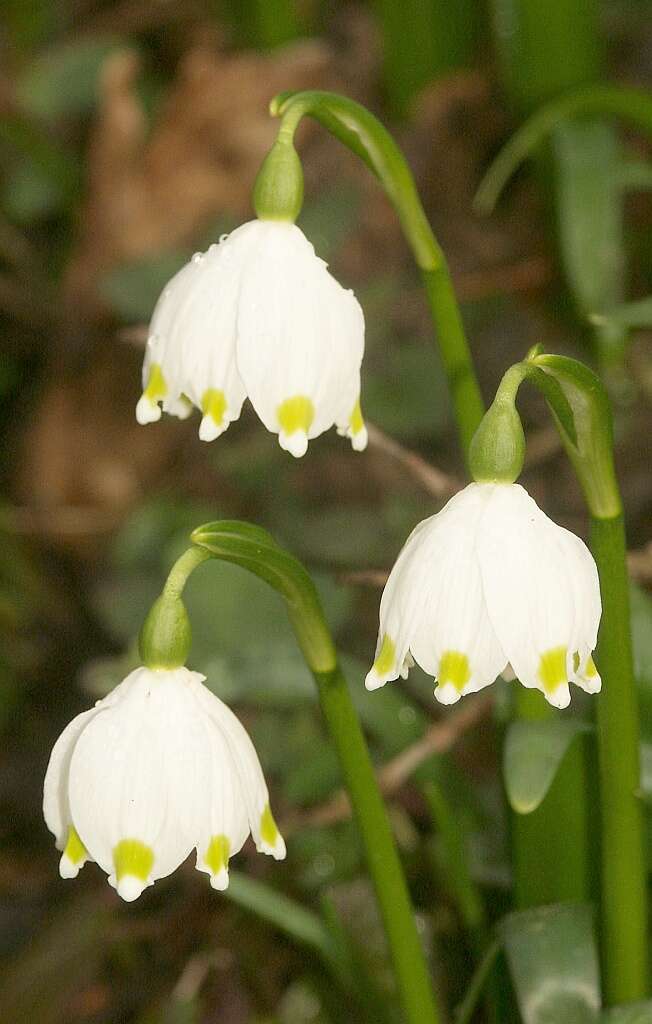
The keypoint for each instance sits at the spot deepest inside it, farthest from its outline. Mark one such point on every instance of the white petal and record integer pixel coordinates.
(193, 334)
(56, 808)
(454, 639)
(247, 768)
(147, 411)
(137, 776)
(531, 592)
(300, 334)
(433, 602)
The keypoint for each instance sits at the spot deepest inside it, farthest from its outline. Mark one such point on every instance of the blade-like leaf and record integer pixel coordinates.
(294, 920)
(610, 100)
(532, 755)
(553, 963)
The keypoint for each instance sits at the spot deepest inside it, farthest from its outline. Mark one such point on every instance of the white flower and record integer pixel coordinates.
(258, 315)
(491, 582)
(157, 768)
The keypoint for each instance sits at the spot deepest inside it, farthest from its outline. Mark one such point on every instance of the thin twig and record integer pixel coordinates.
(440, 738)
(433, 480)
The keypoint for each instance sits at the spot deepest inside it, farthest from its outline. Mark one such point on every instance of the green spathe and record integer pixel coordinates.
(278, 189)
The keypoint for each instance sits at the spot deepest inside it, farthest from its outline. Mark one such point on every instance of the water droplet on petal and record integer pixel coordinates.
(198, 257)
(223, 238)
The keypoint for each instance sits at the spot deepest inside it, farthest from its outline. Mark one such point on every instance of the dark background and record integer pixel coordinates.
(130, 136)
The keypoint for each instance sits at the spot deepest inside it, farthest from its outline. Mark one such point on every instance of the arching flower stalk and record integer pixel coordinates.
(156, 769)
(488, 585)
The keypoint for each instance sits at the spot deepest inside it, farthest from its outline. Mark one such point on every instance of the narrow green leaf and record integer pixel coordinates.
(291, 918)
(533, 753)
(609, 100)
(553, 963)
(627, 314)
(589, 213)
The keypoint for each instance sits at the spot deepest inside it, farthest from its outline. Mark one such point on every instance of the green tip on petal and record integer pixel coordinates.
(552, 669)
(217, 856)
(386, 659)
(271, 840)
(133, 862)
(74, 855)
(454, 668)
(296, 414)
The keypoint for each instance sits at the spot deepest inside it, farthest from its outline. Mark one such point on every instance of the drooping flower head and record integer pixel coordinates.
(259, 316)
(156, 769)
(491, 582)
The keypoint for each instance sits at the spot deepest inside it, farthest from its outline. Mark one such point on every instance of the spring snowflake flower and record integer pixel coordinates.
(258, 315)
(487, 583)
(157, 768)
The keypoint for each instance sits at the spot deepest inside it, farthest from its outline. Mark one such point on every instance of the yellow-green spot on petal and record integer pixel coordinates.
(217, 854)
(156, 388)
(268, 829)
(454, 668)
(552, 669)
(386, 659)
(356, 422)
(75, 850)
(296, 414)
(213, 404)
(131, 857)
(590, 671)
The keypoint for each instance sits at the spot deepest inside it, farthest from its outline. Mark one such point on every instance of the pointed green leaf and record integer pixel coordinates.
(610, 100)
(553, 962)
(532, 755)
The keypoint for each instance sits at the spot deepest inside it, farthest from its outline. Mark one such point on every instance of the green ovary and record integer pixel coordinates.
(213, 404)
(156, 387)
(454, 668)
(131, 857)
(552, 669)
(268, 829)
(217, 854)
(74, 849)
(296, 414)
(386, 659)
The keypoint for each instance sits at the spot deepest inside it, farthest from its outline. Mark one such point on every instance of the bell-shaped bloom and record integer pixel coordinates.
(258, 315)
(489, 586)
(156, 769)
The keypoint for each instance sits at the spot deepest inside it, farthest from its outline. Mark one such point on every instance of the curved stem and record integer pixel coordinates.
(254, 549)
(363, 133)
(181, 570)
(380, 849)
(623, 881)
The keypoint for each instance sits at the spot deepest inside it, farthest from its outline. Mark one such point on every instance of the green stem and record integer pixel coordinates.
(380, 850)
(181, 570)
(254, 549)
(624, 896)
(455, 353)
